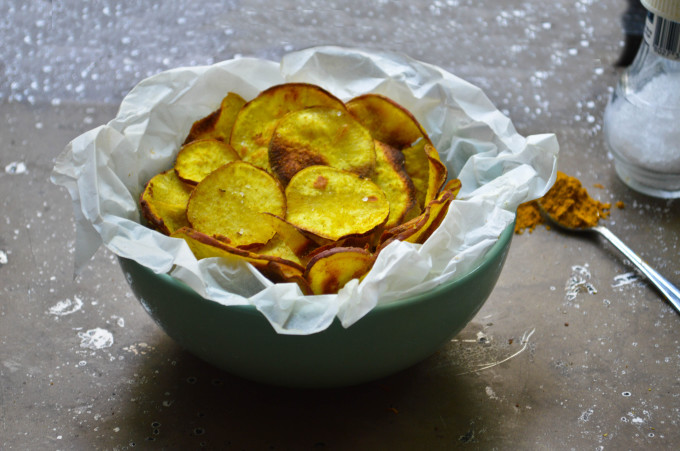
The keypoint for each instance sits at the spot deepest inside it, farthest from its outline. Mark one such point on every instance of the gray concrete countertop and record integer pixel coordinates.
(546, 364)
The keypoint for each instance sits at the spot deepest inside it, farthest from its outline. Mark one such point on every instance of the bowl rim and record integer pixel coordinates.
(501, 244)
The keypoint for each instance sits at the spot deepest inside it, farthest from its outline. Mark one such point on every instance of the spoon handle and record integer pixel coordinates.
(670, 291)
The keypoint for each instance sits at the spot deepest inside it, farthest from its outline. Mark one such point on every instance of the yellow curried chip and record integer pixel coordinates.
(437, 173)
(218, 124)
(417, 165)
(276, 268)
(331, 269)
(392, 178)
(230, 202)
(436, 212)
(388, 121)
(255, 122)
(334, 204)
(300, 244)
(320, 136)
(199, 158)
(164, 200)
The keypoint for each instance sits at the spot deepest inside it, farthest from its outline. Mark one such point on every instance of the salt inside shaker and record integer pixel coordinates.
(642, 119)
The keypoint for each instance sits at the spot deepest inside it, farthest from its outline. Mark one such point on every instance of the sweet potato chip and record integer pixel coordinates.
(437, 174)
(206, 246)
(436, 211)
(229, 203)
(404, 230)
(279, 272)
(330, 270)
(418, 229)
(387, 121)
(298, 242)
(276, 269)
(199, 158)
(333, 203)
(320, 136)
(164, 201)
(417, 165)
(255, 122)
(218, 124)
(277, 247)
(392, 178)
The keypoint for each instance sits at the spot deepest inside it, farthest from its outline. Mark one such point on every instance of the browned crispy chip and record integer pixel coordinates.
(334, 204)
(419, 229)
(392, 178)
(320, 136)
(199, 158)
(276, 268)
(437, 174)
(255, 122)
(164, 202)
(388, 121)
(436, 211)
(218, 124)
(417, 165)
(229, 204)
(298, 242)
(279, 272)
(330, 270)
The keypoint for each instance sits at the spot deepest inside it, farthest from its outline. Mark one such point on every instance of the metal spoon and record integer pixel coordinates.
(670, 291)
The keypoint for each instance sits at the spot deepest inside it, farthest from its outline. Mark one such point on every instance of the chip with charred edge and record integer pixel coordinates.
(418, 229)
(388, 121)
(164, 201)
(392, 178)
(255, 122)
(279, 272)
(218, 124)
(298, 242)
(362, 242)
(320, 136)
(334, 204)
(229, 203)
(330, 270)
(437, 173)
(404, 230)
(206, 246)
(199, 158)
(417, 165)
(277, 247)
(437, 210)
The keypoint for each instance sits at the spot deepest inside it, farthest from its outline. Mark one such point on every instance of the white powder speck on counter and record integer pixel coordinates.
(96, 338)
(16, 167)
(66, 307)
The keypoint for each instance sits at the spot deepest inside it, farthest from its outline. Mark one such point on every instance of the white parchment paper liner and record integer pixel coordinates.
(106, 168)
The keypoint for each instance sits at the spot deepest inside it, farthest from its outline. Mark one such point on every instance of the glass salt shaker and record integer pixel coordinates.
(642, 119)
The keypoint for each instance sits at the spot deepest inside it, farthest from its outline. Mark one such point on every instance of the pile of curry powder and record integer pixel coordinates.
(568, 202)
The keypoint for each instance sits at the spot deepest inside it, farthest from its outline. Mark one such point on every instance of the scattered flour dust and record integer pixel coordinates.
(66, 307)
(490, 393)
(625, 279)
(585, 415)
(16, 167)
(96, 339)
(578, 282)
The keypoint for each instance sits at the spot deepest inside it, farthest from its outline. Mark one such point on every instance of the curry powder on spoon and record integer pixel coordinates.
(567, 202)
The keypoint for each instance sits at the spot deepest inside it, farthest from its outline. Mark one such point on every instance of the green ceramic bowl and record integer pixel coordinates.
(390, 338)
